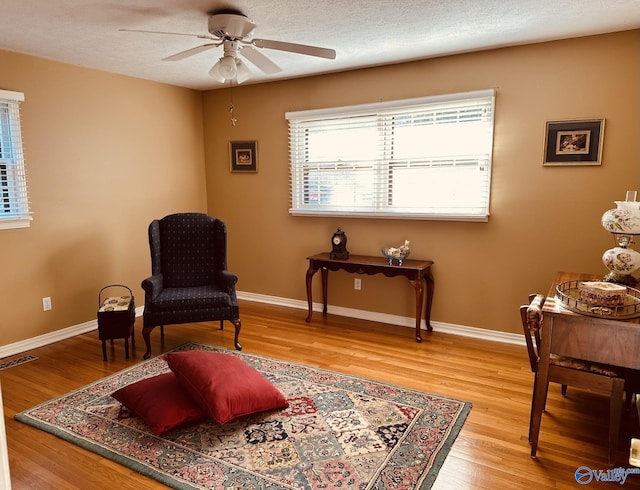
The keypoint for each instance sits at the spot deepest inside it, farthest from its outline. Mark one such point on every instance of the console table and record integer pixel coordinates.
(418, 272)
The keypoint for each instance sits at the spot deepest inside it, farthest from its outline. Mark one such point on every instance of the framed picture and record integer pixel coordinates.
(574, 142)
(243, 156)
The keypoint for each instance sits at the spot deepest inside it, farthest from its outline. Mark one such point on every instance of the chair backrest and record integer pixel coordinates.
(188, 249)
(531, 316)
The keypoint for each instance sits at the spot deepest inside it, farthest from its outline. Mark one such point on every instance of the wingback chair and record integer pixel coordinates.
(189, 281)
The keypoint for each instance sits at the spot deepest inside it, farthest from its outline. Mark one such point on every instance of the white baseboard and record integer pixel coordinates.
(478, 333)
(50, 338)
(403, 321)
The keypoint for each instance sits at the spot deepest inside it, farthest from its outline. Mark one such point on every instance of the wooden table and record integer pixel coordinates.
(596, 339)
(418, 272)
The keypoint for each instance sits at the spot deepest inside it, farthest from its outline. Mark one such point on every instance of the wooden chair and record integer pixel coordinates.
(574, 372)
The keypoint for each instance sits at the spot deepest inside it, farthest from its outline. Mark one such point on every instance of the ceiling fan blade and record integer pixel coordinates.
(295, 48)
(190, 52)
(199, 36)
(260, 60)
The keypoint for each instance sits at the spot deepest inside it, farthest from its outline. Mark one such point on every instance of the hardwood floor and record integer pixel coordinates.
(491, 451)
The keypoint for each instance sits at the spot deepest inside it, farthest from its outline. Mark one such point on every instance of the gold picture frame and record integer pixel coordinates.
(243, 156)
(574, 142)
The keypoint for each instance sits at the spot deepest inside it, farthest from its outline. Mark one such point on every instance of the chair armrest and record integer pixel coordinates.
(152, 286)
(227, 281)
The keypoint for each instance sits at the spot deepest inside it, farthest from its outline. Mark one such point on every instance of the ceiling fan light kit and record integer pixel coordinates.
(227, 67)
(229, 29)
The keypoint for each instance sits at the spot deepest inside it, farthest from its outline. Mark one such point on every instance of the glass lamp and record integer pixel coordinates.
(624, 223)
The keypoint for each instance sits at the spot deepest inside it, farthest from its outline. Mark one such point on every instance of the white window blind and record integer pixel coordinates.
(426, 158)
(14, 201)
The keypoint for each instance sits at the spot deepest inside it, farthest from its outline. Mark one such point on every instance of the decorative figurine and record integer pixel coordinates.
(397, 253)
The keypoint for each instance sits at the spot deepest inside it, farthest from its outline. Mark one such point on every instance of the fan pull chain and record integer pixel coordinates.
(233, 119)
(231, 107)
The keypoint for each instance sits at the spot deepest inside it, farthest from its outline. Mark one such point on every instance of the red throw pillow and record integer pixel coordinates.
(161, 402)
(223, 385)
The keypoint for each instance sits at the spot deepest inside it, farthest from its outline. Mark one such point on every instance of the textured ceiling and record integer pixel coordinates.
(363, 32)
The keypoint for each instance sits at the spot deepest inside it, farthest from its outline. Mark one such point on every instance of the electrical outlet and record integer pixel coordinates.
(46, 304)
(357, 284)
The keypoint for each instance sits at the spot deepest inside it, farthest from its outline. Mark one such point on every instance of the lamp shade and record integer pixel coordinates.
(228, 67)
(215, 73)
(242, 72)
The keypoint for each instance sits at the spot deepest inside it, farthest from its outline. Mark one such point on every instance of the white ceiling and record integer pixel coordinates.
(363, 32)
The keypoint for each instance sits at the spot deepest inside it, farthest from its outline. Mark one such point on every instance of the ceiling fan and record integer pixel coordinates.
(232, 31)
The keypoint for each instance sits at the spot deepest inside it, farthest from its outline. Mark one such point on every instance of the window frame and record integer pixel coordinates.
(14, 200)
(302, 165)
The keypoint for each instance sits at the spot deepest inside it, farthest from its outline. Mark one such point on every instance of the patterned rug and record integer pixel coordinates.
(8, 363)
(339, 432)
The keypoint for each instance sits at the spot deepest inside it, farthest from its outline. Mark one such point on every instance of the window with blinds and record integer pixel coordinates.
(426, 158)
(14, 201)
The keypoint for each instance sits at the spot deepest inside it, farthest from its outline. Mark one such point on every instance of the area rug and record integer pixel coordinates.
(8, 363)
(339, 432)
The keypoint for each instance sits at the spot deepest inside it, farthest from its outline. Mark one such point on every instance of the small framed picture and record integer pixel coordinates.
(243, 156)
(574, 142)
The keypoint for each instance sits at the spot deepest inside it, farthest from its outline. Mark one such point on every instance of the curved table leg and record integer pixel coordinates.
(310, 272)
(418, 286)
(427, 309)
(325, 289)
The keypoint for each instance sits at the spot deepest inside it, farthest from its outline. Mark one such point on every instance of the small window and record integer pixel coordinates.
(426, 158)
(14, 201)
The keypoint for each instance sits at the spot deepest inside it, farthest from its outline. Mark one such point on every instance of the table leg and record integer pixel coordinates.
(310, 272)
(325, 289)
(419, 288)
(615, 410)
(430, 286)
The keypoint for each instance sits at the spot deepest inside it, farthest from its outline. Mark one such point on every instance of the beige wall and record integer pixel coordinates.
(105, 154)
(542, 219)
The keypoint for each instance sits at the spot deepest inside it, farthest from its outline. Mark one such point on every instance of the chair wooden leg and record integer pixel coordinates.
(615, 407)
(533, 397)
(146, 332)
(104, 350)
(538, 406)
(564, 390)
(237, 324)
